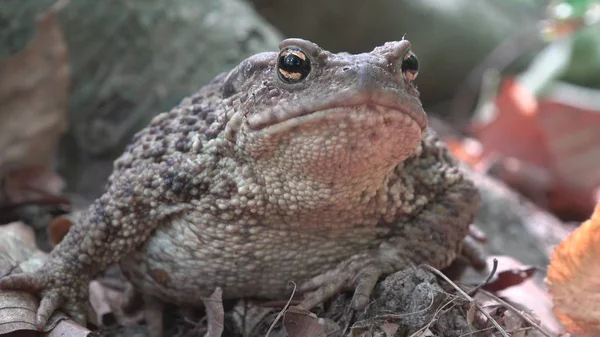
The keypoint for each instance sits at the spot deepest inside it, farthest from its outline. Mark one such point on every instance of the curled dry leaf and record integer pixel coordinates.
(574, 278)
(19, 254)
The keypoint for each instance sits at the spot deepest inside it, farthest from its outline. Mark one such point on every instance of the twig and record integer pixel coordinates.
(282, 311)
(469, 298)
(473, 291)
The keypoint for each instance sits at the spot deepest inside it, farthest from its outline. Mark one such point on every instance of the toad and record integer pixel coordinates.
(300, 165)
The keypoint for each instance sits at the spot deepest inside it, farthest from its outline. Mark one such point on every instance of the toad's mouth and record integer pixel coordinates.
(282, 117)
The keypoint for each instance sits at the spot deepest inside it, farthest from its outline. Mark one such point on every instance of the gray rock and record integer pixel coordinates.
(130, 61)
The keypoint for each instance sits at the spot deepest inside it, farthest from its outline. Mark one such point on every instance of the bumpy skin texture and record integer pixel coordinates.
(329, 181)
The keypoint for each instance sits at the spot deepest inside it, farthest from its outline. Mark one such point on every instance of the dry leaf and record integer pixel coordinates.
(574, 278)
(300, 323)
(215, 313)
(31, 183)
(510, 277)
(517, 286)
(515, 115)
(101, 304)
(59, 227)
(390, 329)
(556, 136)
(18, 253)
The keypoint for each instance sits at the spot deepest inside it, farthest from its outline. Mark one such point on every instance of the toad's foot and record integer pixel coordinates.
(56, 289)
(360, 273)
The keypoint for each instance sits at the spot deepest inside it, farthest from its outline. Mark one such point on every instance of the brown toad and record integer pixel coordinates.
(302, 166)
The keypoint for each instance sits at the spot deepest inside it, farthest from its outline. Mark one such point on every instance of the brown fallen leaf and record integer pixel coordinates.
(574, 278)
(510, 277)
(59, 227)
(299, 323)
(553, 140)
(34, 90)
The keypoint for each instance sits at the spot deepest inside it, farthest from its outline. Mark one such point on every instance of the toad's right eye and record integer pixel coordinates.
(293, 65)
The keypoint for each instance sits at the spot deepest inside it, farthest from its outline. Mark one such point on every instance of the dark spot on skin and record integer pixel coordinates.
(127, 190)
(188, 120)
(199, 111)
(182, 145)
(373, 136)
(177, 187)
(160, 276)
(197, 98)
(352, 147)
(95, 218)
(212, 133)
(228, 89)
(211, 118)
(168, 178)
(157, 151)
(147, 182)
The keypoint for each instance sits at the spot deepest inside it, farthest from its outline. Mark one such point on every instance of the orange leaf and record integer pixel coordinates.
(574, 278)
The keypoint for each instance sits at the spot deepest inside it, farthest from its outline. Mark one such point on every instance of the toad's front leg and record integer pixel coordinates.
(434, 236)
(136, 201)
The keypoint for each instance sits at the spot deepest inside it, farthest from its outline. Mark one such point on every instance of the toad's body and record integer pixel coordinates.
(301, 166)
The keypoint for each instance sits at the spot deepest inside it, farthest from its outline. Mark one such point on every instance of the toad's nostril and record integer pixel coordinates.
(345, 68)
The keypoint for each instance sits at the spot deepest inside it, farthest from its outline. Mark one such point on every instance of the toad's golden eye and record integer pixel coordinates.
(410, 66)
(293, 65)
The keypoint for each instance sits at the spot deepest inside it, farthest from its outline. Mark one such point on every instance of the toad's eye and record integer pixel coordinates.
(293, 65)
(410, 66)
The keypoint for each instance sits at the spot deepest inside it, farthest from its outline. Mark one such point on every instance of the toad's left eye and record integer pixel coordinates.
(410, 66)
(293, 65)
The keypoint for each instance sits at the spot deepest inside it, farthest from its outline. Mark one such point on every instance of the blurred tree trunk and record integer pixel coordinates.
(131, 60)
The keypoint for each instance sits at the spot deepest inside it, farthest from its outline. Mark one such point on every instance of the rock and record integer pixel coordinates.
(131, 60)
